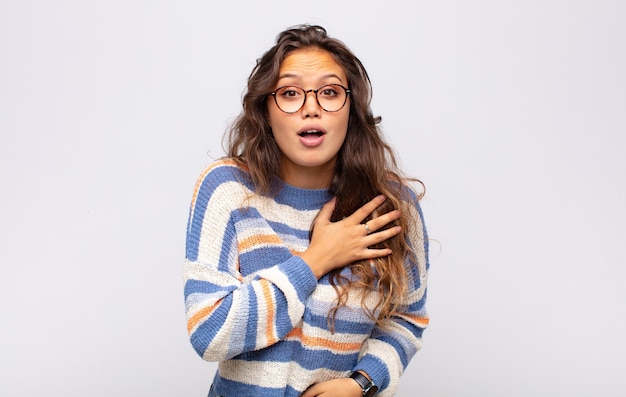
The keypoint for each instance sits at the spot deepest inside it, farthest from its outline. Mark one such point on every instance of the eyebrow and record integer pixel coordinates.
(324, 77)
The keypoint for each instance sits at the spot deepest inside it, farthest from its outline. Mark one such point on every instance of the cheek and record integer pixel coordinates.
(344, 127)
(277, 128)
(276, 120)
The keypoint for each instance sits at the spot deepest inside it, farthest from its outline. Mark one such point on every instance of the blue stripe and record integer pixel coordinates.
(203, 287)
(262, 258)
(302, 199)
(311, 359)
(341, 326)
(286, 230)
(418, 306)
(228, 248)
(253, 318)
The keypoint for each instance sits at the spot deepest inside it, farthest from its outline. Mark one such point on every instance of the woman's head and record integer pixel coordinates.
(308, 115)
(252, 139)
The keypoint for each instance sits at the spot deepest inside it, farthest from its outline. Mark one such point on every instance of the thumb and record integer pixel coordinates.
(327, 210)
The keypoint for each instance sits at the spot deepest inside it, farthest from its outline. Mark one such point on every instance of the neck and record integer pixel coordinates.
(308, 177)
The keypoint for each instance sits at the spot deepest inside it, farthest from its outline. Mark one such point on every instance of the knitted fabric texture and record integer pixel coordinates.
(255, 306)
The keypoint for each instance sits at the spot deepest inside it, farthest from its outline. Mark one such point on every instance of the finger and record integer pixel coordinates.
(382, 220)
(379, 237)
(310, 392)
(327, 210)
(374, 253)
(367, 209)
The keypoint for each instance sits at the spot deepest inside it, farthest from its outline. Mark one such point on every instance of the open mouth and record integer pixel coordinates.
(311, 133)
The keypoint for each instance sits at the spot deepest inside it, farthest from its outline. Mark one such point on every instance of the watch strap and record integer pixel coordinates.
(367, 386)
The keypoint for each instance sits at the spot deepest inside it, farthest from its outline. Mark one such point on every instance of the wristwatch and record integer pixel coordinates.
(368, 387)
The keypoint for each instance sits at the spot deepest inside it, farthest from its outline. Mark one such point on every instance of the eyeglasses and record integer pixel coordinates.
(330, 97)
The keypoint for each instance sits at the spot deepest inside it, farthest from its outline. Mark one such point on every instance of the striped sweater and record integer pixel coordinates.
(255, 306)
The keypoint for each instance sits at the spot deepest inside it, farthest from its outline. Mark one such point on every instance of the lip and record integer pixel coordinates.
(312, 140)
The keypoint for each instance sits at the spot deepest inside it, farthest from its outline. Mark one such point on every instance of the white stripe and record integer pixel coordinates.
(275, 374)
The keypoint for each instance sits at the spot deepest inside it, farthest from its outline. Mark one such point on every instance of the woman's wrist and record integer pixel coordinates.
(365, 383)
(314, 263)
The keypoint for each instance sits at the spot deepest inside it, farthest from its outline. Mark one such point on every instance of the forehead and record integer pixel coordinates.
(310, 64)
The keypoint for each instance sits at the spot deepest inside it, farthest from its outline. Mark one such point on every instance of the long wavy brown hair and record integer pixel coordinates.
(365, 167)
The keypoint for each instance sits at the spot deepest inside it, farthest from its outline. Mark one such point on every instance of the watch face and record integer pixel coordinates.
(371, 391)
(367, 386)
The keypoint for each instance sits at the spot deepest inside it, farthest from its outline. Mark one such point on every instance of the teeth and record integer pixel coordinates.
(311, 132)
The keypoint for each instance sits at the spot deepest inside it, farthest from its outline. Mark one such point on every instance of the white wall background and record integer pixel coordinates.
(512, 112)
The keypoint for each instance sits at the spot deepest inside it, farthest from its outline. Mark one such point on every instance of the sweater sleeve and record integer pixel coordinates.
(228, 314)
(389, 349)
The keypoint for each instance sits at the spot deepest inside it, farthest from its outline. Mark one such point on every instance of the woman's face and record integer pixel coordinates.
(310, 138)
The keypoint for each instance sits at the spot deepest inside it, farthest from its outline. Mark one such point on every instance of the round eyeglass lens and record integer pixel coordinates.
(331, 98)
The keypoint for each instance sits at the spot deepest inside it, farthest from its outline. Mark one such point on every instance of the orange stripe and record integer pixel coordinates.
(420, 320)
(271, 312)
(258, 239)
(196, 189)
(219, 163)
(202, 313)
(323, 342)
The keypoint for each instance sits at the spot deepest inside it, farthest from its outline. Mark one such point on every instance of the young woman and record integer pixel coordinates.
(306, 254)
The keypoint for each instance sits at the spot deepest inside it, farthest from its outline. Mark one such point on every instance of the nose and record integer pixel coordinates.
(311, 108)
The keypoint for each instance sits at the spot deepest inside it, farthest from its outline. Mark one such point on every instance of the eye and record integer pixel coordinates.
(289, 92)
(329, 91)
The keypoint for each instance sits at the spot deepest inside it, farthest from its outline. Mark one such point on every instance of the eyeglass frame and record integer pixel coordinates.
(306, 95)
